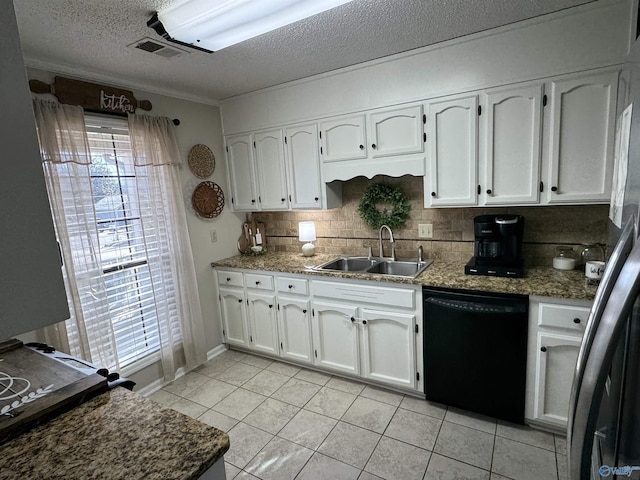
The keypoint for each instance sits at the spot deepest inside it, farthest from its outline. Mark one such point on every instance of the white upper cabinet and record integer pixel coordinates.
(343, 138)
(384, 141)
(241, 177)
(303, 160)
(452, 139)
(510, 163)
(257, 172)
(581, 138)
(270, 168)
(395, 131)
(533, 143)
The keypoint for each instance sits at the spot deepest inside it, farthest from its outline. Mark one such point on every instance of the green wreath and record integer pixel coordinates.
(383, 193)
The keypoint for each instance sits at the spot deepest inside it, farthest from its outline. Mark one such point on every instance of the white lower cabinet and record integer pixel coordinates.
(335, 337)
(555, 333)
(370, 330)
(234, 319)
(556, 359)
(294, 325)
(263, 325)
(384, 336)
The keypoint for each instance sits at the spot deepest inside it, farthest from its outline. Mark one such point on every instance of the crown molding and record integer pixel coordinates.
(35, 63)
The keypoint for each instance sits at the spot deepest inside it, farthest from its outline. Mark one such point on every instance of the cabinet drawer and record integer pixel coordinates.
(261, 282)
(233, 279)
(563, 316)
(298, 286)
(390, 297)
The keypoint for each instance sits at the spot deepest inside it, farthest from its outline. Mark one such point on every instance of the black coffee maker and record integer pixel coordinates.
(498, 246)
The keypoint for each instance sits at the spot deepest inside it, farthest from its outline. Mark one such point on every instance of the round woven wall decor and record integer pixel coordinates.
(201, 161)
(207, 200)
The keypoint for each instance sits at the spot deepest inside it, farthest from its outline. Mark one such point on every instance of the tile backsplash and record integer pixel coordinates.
(341, 231)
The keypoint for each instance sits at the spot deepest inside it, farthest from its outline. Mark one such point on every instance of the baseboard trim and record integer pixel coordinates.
(214, 352)
(181, 372)
(152, 387)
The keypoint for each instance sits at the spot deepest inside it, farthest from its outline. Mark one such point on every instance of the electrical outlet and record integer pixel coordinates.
(214, 236)
(425, 230)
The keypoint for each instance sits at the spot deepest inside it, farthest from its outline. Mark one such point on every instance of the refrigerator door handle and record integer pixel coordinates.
(589, 395)
(614, 265)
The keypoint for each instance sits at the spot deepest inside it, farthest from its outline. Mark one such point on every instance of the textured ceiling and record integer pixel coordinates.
(89, 38)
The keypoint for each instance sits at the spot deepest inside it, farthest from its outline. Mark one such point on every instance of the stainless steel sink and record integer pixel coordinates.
(348, 264)
(379, 266)
(399, 268)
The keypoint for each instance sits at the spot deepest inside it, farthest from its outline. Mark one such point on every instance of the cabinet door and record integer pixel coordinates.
(33, 292)
(335, 337)
(512, 146)
(272, 180)
(234, 317)
(555, 363)
(388, 347)
(241, 176)
(304, 166)
(582, 133)
(395, 132)
(452, 136)
(294, 321)
(343, 139)
(263, 327)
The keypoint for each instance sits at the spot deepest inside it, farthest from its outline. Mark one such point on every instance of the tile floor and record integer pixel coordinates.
(287, 422)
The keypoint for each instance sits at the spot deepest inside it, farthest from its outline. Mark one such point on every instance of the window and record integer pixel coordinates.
(124, 250)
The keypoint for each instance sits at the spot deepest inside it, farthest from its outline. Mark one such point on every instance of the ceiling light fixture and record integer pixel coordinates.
(212, 25)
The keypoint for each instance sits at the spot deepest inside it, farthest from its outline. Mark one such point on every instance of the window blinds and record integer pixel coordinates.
(124, 247)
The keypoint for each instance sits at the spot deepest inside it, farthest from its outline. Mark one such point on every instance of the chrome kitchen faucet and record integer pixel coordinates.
(393, 243)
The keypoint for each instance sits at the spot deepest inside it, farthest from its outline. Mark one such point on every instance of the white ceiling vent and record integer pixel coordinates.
(157, 48)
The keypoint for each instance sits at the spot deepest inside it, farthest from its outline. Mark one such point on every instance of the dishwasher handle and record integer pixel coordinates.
(488, 306)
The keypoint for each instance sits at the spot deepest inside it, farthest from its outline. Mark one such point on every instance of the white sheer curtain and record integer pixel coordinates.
(66, 158)
(157, 158)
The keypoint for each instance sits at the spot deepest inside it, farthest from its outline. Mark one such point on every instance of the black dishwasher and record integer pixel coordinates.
(475, 351)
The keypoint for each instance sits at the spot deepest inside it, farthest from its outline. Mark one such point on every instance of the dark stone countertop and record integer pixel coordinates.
(541, 281)
(116, 435)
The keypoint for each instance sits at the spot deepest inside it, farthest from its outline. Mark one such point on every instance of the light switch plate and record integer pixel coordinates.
(425, 230)
(214, 236)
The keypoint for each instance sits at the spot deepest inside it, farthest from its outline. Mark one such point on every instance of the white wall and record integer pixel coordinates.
(199, 124)
(581, 38)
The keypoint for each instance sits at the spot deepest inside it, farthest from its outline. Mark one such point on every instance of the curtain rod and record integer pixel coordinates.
(175, 121)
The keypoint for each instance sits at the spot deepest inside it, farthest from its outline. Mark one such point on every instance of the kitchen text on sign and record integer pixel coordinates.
(113, 102)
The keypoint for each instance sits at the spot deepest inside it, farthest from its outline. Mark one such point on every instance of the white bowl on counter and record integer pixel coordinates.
(564, 263)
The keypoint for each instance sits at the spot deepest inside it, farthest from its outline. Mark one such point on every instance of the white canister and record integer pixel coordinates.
(594, 269)
(564, 263)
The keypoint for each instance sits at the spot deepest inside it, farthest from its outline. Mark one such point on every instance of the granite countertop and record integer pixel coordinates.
(542, 281)
(118, 434)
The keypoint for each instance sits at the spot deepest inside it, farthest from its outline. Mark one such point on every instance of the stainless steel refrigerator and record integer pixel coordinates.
(603, 433)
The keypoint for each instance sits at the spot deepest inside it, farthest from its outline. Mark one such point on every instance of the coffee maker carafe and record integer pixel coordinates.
(498, 246)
